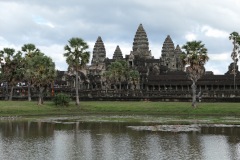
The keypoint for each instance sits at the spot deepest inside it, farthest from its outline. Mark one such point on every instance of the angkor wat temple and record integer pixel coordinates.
(161, 78)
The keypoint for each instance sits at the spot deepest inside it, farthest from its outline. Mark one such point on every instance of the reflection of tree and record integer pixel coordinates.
(92, 140)
(26, 130)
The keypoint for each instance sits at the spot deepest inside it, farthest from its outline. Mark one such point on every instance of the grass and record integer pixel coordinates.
(118, 111)
(24, 108)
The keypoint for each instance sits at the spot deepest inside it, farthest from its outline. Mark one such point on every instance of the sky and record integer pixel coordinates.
(49, 24)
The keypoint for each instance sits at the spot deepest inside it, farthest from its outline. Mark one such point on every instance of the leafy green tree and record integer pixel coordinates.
(12, 69)
(235, 37)
(43, 73)
(115, 73)
(134, 78)
(77, 58)
(194, 58)
(119, 72)
(62, 100)
(30, 50)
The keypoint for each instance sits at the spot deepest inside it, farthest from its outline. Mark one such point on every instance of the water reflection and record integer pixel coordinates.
(108, 141)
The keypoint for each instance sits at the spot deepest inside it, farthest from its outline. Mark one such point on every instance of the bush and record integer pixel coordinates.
(62, 99)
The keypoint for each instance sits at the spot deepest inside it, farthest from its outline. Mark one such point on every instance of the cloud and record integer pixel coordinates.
(215, 33)
(42, 21)
(218, 62)
(220, 57)
(56, 52)
(50, 24)
(190, 36)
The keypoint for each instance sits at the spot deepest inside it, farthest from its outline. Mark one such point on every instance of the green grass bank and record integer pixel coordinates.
(24, 108)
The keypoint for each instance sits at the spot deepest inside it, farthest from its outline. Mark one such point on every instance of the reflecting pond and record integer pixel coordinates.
(28, 140)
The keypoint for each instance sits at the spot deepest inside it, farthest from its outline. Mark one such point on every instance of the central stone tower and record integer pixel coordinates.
(99, 52)
(140, 44)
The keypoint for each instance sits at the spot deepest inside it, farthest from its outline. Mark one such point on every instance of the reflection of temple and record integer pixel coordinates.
(161, 78)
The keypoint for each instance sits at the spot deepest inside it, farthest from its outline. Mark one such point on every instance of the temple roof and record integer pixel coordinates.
(140, 42)
(168, 46)
(99, 52)
(117, 53)
(178, 50)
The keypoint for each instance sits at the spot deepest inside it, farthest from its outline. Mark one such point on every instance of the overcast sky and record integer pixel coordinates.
(49, 24)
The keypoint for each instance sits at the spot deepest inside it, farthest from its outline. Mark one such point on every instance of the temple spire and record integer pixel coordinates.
(140, 43)
(99, 52)
(178, 50)
(179, 64)
(117, 53)
(168, 47)
(168, 54)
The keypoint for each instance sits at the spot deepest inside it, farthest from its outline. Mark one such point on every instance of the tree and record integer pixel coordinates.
(115, 73)
(77, 57)
(134, 78)
(118, 72)
(235, 37)
(30, 50)
(194, 59)
(43, 73)
(12, 69)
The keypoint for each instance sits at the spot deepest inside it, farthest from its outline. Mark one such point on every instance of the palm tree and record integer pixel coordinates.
(235, 54)
(77, 57)
(118, 72)
(42, 73)
(30, 50)
(194, 59)
(134, 78)
(12, 69)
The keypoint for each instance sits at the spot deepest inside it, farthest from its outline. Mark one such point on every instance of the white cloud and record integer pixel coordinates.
(212, 32)
(56, 52)
(218, 63)
(49, 25)
(220, 57)
(3, 42)
(41, 21)
(190, 36)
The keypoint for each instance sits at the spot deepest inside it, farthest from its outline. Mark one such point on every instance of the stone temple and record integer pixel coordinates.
(160, 79)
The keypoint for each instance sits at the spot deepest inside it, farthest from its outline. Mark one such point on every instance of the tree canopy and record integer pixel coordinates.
(12, 65)
(42, 73)
(29, 50)
(119, 71)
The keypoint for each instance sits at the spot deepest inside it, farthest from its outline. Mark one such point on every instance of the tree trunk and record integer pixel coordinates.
(11, 94)
(29, 92)
(194, 105)
(77, 95)
(40, 96)
(6, 92)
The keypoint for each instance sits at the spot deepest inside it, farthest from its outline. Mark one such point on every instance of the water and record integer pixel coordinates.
(112, 141)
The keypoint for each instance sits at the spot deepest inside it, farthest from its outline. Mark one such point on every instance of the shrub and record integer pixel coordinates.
(61, 99)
